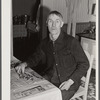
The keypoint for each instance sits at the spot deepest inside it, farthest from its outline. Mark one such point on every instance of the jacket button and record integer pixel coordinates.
(59, 75)
(56, 64)
(54, 53)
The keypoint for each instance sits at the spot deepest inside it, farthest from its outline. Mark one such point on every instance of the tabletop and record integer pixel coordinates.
(32, 86)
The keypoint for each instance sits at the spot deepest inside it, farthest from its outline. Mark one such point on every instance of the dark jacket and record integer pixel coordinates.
(66, 54)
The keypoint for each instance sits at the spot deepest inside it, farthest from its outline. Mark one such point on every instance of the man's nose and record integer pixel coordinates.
(53, 24)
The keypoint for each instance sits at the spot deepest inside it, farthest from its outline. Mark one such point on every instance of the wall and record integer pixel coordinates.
(60, 5)
(22, 7)
(84, 12)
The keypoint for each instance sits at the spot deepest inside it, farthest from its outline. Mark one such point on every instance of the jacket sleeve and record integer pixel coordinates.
(35, 58)
(81, 60)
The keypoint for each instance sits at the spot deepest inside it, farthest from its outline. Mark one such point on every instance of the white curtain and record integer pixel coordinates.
(72, 6)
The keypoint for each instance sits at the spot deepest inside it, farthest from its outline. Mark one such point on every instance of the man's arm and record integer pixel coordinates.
(35, 58)
(81, 60)
(31, 62)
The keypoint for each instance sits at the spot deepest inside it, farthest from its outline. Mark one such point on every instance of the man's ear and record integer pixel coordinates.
(62, 23)
(46, 23)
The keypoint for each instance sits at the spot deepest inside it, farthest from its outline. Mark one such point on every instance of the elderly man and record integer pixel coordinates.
(65, 58)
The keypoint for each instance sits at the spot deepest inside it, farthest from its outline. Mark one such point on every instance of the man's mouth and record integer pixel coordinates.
(53, 29)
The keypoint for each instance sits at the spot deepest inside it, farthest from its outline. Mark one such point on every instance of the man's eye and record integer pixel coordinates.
(49, 21)
(57, 21)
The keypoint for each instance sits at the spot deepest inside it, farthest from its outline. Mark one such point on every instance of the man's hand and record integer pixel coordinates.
(20, 69)
(66, 84)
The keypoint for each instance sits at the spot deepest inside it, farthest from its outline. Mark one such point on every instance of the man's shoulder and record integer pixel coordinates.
(68, 37)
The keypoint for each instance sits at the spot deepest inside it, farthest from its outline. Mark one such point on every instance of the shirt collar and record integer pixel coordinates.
(59, 39)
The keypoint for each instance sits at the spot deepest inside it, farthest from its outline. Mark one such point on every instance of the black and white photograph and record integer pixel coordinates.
(51, 50)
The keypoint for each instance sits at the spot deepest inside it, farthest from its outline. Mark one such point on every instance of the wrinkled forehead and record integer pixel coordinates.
(54, 17)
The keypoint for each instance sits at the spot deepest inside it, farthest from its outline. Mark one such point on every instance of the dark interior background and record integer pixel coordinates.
(24, 46)
(22, 7)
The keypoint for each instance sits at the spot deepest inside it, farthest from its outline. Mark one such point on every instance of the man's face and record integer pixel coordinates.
(54, 24)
